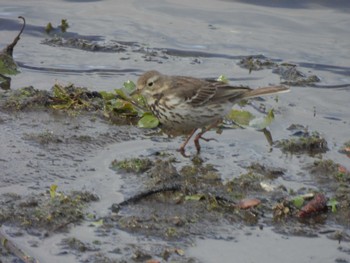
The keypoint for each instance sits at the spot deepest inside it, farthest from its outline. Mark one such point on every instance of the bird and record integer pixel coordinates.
(184, 104)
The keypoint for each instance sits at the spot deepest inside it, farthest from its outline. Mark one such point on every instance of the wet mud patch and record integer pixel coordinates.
(45, 213)
(60, 97)
(40, 215)
(169, 200)
(178, 202)
(303, 141)
(74, 101)
(334, 179)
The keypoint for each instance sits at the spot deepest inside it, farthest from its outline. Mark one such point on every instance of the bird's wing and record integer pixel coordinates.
(217, 92)
(191, 90)
(198, 92)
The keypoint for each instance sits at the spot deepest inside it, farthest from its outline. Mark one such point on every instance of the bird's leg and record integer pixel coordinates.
(199, 135)
(182, 147)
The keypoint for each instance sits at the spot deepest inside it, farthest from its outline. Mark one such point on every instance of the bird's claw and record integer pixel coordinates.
(183, 153)
(207, 139)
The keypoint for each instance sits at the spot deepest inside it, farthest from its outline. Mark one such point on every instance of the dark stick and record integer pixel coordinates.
(9, 49)
(14, 249)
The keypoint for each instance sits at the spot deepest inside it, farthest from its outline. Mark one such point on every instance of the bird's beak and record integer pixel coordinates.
(135, 92)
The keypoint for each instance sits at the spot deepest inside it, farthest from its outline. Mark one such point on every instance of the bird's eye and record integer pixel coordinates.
(150, 84)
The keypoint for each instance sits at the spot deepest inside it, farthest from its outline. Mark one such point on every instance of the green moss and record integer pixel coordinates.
(27, 97)
(47, 211)
(252, 63)
(311, 144)
(133, 165)
(244, 183)
(7, 65)
(205, 171)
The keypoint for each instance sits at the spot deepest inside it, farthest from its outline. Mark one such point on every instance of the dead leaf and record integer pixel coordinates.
(248, 203)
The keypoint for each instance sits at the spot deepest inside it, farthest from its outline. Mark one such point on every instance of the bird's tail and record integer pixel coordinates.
(266, 91)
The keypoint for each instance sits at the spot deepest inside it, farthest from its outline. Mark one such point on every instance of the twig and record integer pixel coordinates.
(14, 249)
(138, 197)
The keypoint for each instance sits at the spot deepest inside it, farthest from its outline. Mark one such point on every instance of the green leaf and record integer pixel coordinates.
(298, 201)
(122, 105)
(129, 86)
(121, 94)
(98, 223)
(333, 204)
(240, 117)
(148, 121)
(262, 123)
(140, 100)
(222, 78)
(196, 197)
(107, 95)
(53, 189)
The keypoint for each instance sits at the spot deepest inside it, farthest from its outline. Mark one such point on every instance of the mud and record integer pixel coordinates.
(123, 193)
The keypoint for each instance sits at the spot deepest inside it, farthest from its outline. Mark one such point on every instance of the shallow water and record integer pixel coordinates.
(203, 38)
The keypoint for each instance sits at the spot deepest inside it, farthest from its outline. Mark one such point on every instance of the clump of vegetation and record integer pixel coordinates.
(256, 63)
(122, 102)
(267, 172)
(300, 206)
(198, 168)
(294, 77)
(82, 44)
(133, 165)
(290, 74)
(75, 98)
(336, 179)
(249, 182)
(307, 143)
(73, 243)
(62, 27)
(118, 106)
(24, 98)
(330, 169)
(51, 211)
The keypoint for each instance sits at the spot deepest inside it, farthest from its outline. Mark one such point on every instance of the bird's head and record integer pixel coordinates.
(148, 83)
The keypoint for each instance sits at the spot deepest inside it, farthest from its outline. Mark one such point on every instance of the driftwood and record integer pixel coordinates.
(9, 49)
(6, 57)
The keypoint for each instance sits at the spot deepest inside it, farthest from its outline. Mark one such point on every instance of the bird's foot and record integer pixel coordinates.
(207, 139)
(183, 153)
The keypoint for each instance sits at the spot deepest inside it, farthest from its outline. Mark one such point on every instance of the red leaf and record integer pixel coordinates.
(248, 203)
(316, 205)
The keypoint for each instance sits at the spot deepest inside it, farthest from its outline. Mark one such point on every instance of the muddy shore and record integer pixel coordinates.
(78, 186)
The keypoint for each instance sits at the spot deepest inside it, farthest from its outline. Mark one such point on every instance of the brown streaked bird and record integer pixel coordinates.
(184, 104)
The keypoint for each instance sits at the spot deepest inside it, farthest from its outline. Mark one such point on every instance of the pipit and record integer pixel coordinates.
(184, 104)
